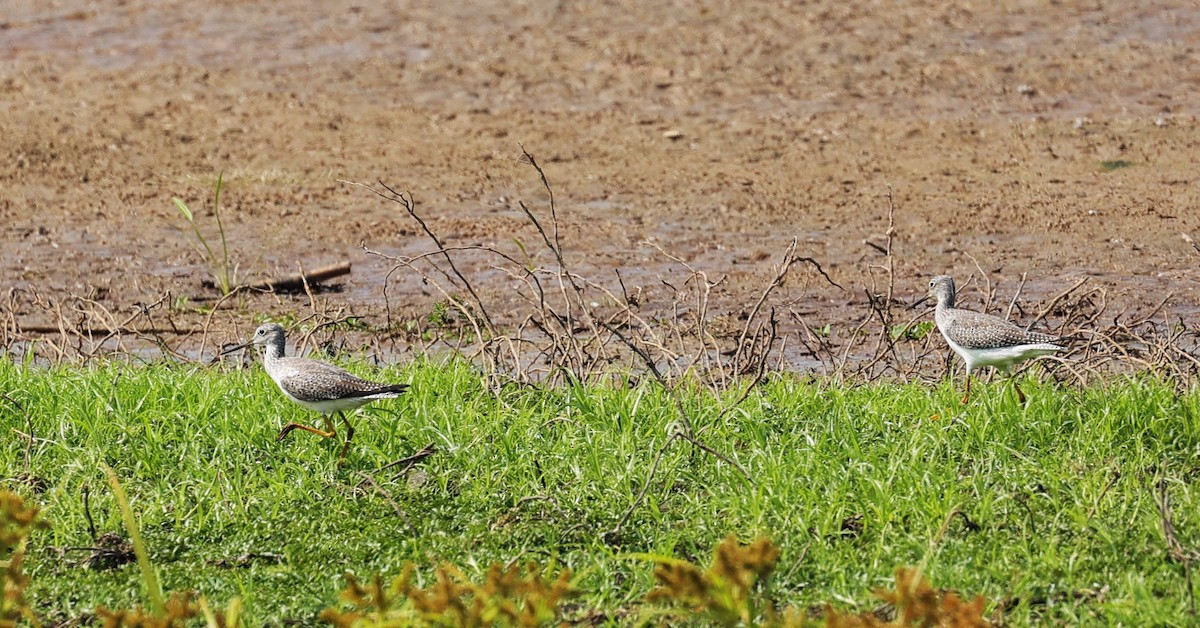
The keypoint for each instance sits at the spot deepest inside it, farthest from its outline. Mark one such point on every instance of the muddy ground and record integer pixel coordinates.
(1055, 140)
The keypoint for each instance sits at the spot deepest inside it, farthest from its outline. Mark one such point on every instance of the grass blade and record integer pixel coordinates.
(183, 209)
(149, 578)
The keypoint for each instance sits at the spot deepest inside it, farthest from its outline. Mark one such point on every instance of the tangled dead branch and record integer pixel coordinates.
(544, 321)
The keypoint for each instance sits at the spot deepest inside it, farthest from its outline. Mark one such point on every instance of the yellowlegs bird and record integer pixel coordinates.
(983, 339)
(318, 386)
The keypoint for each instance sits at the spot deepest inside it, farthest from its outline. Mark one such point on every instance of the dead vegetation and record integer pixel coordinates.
(733, 591)
(571, 327)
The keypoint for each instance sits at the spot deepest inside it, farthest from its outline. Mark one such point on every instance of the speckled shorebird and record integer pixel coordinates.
(318, 386)
(983, 339)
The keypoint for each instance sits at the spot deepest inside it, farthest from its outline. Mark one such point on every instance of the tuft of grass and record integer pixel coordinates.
(1115, 164)
(724, 593)
(173, 613)
(508, 596)
(916, 331)
(1048, 510)
(916, 603)
(224, 274)
(734, 591)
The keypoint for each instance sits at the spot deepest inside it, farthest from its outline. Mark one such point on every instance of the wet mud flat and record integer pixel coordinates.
(681, 141)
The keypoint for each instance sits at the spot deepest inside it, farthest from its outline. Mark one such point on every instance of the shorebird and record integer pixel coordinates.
(985, 340)
(318, 386)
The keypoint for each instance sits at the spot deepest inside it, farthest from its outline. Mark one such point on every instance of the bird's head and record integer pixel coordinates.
(267, 334)
(941, 288)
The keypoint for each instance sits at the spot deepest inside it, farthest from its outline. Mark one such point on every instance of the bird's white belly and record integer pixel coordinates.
(329, 406)
(1001, 357)
(335, 405)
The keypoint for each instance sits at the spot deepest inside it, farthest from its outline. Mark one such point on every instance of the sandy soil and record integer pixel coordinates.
(718, 131)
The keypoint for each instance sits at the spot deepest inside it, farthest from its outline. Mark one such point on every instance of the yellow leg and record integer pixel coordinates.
(967, 394)
(287, 429)
(1020, 395)
(349, 435)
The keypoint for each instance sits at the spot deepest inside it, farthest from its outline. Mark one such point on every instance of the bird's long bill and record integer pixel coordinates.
(918, 302)
(235, 348)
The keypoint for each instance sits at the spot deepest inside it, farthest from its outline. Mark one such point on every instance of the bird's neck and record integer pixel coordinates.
(273, 351)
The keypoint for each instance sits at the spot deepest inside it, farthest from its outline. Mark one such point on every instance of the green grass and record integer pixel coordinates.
(1115, 164)
(224, 274)
(850, 482)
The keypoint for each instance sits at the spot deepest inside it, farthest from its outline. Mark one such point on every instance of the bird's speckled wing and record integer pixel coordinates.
(312, 381)
(975, 330)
